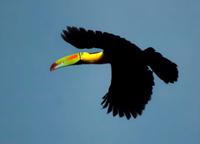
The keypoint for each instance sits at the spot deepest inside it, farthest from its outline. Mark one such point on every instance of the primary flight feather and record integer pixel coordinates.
(132, 68)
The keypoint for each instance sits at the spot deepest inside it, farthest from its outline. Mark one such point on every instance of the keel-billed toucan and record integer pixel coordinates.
(132, 68)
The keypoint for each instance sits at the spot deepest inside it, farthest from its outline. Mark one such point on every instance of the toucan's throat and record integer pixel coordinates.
(92, 58)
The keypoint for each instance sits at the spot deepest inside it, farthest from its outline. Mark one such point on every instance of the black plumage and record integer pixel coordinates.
(132, 69)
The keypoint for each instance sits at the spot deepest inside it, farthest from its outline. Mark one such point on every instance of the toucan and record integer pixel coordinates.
(132, 68)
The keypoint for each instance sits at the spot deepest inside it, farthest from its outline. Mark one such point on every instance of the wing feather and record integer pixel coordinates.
(82, 38)
(129, 92)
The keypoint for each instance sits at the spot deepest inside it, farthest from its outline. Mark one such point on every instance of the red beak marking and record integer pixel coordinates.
(72, 57)
(53, 66)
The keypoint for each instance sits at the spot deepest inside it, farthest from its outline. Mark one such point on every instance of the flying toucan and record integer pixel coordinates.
(132, 68)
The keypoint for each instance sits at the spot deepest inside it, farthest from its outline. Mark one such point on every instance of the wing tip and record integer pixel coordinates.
(121, 112)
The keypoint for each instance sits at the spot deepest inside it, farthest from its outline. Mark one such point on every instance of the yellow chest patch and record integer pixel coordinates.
(91, 57)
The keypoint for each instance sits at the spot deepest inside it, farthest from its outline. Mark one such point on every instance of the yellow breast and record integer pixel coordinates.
(91, 57)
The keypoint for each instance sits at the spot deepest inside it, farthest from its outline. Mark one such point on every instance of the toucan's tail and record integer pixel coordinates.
(163, 67)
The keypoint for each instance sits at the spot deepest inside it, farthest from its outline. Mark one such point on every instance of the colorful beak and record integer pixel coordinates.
(65, 61)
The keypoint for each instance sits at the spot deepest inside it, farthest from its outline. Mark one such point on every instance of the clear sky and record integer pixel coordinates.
(63, 107)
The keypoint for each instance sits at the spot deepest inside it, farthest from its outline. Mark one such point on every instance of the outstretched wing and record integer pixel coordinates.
(130, 90)
(82, 38)
(132, 81)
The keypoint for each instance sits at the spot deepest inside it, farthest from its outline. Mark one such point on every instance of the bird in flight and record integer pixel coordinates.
(132, 68)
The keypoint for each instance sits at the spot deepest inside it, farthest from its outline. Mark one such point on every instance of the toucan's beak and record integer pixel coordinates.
(78, 58)
(65, 61)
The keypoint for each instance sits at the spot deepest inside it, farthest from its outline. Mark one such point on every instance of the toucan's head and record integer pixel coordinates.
(77, 58)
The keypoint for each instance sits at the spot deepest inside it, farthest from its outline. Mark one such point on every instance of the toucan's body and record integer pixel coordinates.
(132, 79)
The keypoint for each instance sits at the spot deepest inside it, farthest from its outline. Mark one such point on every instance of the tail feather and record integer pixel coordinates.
(161, 66)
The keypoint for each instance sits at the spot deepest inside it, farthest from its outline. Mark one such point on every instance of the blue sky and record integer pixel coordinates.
(37, 106)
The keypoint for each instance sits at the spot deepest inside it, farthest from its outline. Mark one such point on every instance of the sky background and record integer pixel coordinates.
(63, 107)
